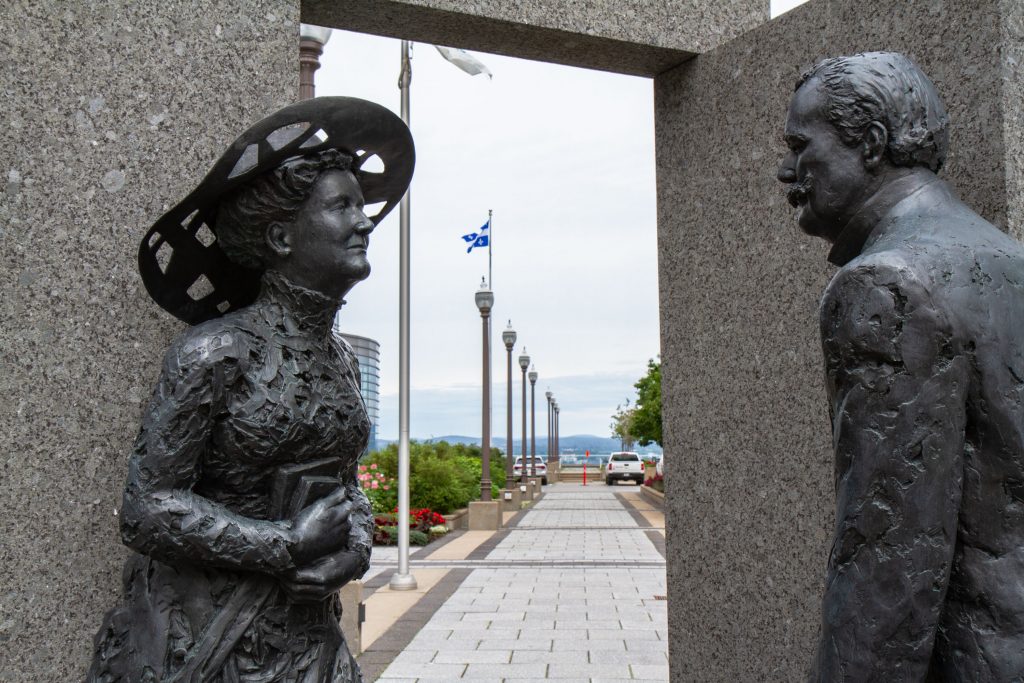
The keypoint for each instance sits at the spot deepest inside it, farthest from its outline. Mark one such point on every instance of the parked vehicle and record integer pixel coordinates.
(538, 463)
(624, 465)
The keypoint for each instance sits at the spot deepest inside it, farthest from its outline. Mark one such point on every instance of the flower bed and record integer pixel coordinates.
(425, 525)
(657, 482)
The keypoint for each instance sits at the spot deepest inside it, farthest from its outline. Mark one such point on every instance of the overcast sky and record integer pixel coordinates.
(565, 159)
(780, 6)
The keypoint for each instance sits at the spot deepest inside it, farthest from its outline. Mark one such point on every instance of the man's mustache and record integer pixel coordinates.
(797, 193)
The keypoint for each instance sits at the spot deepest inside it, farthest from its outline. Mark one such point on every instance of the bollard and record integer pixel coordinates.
(485, 515)
(353, 615)
(511, 500)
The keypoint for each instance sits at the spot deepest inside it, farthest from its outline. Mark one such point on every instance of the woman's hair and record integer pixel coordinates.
(244, 215)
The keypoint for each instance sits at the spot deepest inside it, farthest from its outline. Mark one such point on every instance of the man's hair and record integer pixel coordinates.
(889, 88)
(244, 215)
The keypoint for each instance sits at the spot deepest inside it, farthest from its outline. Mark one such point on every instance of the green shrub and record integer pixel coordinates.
(443, 476)
(443, 484)
(417, 538)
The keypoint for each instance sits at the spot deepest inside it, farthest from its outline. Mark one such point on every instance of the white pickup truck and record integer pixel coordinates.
(624, 465)
(536, 463)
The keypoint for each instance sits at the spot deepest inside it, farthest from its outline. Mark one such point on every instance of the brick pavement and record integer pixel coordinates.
(526, 611)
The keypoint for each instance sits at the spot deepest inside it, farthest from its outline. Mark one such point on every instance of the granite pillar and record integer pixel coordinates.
(749, 500)
(511, 500)
(113, 111)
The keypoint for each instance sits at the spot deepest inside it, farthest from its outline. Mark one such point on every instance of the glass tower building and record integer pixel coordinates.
(368, 353)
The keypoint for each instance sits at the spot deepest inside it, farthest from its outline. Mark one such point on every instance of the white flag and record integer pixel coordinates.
(464, 61)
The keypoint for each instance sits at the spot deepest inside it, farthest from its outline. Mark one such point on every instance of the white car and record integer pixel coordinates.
(538, 462)
(624, 465)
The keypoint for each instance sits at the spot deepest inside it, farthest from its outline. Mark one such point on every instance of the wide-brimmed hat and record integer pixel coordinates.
(181, 263)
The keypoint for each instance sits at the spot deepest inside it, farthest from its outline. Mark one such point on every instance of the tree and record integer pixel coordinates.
(622, 425)
(646, 425)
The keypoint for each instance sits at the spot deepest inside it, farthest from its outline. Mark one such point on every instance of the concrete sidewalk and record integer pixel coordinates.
(574, 591)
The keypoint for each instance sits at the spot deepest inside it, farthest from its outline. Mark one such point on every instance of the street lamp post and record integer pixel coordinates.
(558, 451)
(485, 301)
(533, 423)
(311, 45)
(550, 431)
(524, 363)
(554, 427)
(555, 422)
(509, 337)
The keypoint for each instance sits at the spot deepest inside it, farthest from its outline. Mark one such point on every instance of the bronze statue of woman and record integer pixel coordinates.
(241, 503)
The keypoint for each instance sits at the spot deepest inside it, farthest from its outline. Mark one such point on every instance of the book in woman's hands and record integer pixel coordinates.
(298, 486)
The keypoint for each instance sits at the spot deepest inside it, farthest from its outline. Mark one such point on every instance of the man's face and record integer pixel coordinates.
(827, 178)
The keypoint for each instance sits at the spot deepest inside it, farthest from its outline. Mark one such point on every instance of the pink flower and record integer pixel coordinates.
(385, 487)
(374, 485)
(362, 468)
(373, 466)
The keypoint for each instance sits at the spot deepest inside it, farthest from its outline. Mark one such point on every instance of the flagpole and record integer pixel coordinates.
(402, 580)
(490, 240)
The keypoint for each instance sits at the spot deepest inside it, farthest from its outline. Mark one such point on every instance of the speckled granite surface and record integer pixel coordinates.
(629, 36)
(750, 469)
(112, 112)
(1011, 46)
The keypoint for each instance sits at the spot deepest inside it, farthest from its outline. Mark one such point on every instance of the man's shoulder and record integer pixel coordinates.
(941, 248)
(875, 299)
(893, 270)
(936, 225)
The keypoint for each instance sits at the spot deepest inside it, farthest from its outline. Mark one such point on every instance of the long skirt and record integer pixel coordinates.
(189, 624)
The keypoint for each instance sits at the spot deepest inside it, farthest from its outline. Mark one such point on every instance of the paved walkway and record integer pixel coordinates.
(574, 591)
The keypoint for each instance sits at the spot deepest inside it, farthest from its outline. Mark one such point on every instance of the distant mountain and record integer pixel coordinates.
(579, 443)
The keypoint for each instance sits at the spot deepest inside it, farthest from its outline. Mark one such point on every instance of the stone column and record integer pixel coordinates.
(114, 111)
(745, 409)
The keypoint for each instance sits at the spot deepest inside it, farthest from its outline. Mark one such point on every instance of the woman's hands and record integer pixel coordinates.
(319, 549)
(323, 578)
(320, 529)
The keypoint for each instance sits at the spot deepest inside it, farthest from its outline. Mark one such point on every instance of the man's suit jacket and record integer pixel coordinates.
(923, 337)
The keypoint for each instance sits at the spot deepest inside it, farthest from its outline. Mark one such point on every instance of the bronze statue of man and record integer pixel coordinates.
(922, 330)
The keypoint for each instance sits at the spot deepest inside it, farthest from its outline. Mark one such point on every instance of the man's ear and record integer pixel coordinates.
(876, 139)
(279, 240)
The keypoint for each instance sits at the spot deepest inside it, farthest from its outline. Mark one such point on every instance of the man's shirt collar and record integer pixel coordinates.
(855, 235)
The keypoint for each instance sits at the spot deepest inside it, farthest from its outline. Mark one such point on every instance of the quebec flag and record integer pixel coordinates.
(478, 239)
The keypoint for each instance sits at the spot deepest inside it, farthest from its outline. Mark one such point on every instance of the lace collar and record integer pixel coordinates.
(305, 310)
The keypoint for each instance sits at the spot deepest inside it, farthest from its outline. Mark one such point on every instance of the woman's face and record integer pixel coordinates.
(327, 241)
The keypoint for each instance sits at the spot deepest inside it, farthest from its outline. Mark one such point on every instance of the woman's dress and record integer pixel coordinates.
(256, 415)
